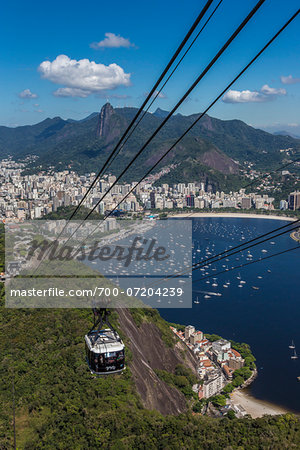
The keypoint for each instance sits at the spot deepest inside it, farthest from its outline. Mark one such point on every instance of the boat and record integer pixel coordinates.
(255, 287)
(292, 345)
(214, 285)
(240, 286)
(298, 378)
(225, 285)
(294, 355)
(207, 296)
(196, 301)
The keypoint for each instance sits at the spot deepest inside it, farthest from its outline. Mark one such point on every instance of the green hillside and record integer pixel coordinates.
(60, 405)
(84, 145)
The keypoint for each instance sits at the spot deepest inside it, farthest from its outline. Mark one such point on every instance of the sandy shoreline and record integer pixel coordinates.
(255, 407)
(233, 215)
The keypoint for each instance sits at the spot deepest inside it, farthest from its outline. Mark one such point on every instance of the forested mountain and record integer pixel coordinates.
(60, 405)
(213, 150)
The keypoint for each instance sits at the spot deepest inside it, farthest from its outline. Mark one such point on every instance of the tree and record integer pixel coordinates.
(228, 388)
(238, 381)
(231, 414)
(219, 400)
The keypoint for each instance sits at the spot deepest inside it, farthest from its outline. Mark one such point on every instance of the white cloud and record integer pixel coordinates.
(265, 94)
(112, 41)
(27, 94)
(267, 90)
(242, 97)
(82, 78)
(160, 95)
(289, 80)
(71, 92)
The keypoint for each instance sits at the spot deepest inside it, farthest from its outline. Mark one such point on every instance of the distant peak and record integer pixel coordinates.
(106, 107)
(104, 116)
(160, 113)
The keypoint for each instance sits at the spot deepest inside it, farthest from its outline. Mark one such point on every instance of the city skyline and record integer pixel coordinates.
(34, 196)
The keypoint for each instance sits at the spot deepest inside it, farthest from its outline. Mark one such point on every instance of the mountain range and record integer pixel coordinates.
(214, 150)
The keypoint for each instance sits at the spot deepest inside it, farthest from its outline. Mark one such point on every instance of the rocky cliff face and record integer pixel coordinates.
(104, 120)
(149, 353)
(219, 161)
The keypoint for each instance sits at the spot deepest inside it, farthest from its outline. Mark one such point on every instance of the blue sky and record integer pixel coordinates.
(115, 51)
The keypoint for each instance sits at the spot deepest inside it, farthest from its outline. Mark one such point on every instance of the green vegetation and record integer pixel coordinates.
(239, 375)
(191, 169)
(183, 379)
(207, 151)
(230, 414)
(213, 337)
(60, 405)
(245, 351)
(218, 400)
(64, 212)
(141, 315)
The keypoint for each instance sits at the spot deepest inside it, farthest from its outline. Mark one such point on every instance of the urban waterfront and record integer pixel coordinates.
(267, 318)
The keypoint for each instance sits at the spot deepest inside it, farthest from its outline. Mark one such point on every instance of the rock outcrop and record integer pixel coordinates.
(149, 353)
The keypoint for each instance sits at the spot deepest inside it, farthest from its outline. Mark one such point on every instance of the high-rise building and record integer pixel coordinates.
(283, 205)
(180, 187)
(246, 203)
(196, 337)
(188, 331)
(190, 201)
(213, 384)
(294, 200)
(152, 199)
(191, 187)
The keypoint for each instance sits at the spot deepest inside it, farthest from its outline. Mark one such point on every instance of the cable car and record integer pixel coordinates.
(105, 351)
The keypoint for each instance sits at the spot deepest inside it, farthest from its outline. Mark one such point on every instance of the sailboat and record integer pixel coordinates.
(196, 301)
(292, 345)
(294, 355)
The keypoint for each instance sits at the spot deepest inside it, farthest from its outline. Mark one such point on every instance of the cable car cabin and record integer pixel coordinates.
(105, 352)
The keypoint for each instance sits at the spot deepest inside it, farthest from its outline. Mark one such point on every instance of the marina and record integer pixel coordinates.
(264, 312)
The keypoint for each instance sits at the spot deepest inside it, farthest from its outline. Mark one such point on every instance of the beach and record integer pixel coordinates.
(254, 407)
(233, 215)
